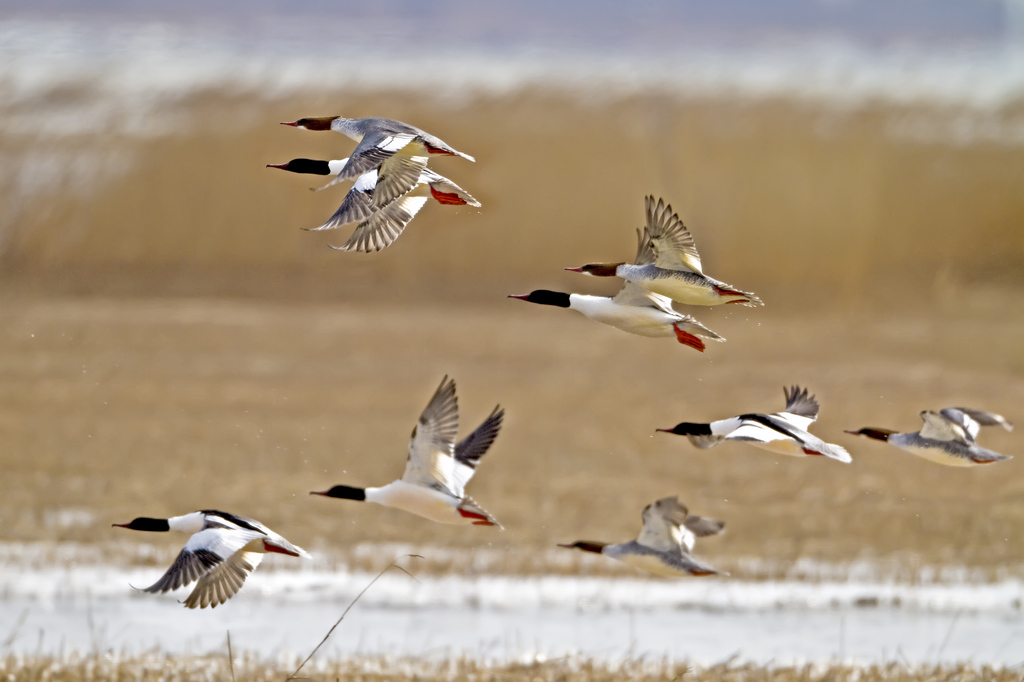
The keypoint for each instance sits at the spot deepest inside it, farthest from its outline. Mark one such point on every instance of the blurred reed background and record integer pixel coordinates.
(173, 340)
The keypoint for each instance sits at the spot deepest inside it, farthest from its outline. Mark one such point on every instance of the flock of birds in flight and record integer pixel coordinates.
(387, 165)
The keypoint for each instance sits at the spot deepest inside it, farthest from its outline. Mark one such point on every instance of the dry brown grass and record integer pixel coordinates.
(166, 668)
(777, 194)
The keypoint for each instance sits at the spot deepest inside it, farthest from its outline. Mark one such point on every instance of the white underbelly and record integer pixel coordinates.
(430, 504)
(642, 321)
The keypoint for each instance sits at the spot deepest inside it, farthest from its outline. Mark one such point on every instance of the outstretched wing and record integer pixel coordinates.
(203, 552)
(471, 448)
(671, 242)
(384, 226)
(973, 420)
(224, 580)
(801, 408)
(375, 148)
(432, 446)
(702, 526)
(662, 524)
(357, 206)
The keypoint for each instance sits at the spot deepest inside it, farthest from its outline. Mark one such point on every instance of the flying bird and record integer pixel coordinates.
(783, 432)
(665, 544)
(378, 225)
(223, 550)
(436, 470)
(633, 309)
(667, 263)
(947, 437)
(398, 150)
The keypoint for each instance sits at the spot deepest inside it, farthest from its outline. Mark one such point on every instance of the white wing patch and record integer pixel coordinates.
(395, 143)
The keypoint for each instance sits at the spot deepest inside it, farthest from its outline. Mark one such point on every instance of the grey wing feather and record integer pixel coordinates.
(224, 581)
(798, 402)
(188, 567)
(471, 448)
(396, 177)
(984, 418)
(701, 526)
(644, 251)
(671, 241)
(383, 227)
(357, 206)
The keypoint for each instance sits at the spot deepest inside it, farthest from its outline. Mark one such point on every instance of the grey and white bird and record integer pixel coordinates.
(784, 433)
(397, 150)
(633, 309)
(378, 226)
(947, 437)
(223, 550)
(436, 469)
(665, 543)
(667, 263)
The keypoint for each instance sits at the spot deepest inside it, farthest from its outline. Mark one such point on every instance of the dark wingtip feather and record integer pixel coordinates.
(799, 402)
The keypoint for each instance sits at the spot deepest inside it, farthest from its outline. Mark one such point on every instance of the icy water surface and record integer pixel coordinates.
(274, 627)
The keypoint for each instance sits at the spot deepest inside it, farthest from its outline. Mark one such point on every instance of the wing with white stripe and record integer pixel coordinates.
(203, 552)
(375, 148)
(432, 446)
(357, 206)
(384, 226)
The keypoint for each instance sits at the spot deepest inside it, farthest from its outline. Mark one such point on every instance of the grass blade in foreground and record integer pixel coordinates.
(393, 564)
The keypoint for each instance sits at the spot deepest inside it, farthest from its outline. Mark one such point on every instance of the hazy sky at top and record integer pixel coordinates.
(569, 23)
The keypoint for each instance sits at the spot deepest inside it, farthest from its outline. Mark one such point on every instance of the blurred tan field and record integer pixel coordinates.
(174, 341)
